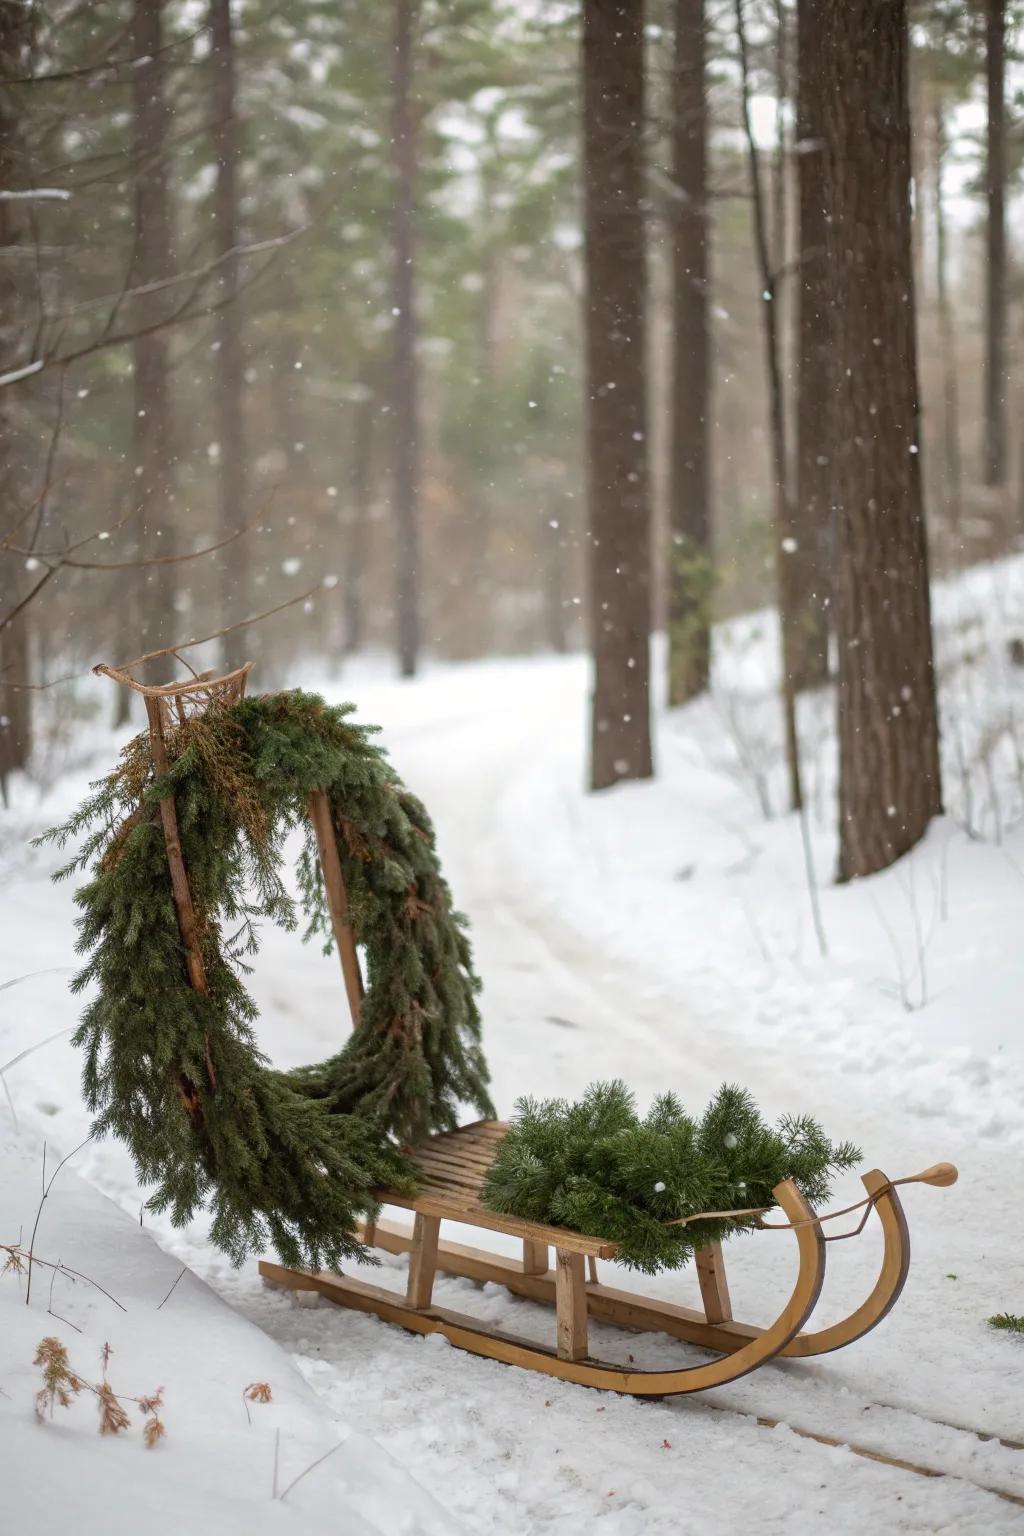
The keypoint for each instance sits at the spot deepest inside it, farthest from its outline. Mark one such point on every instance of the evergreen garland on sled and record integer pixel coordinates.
(598, 1168)
(285, 1157)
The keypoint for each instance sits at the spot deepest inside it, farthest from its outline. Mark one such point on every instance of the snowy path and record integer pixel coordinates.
(659, 934)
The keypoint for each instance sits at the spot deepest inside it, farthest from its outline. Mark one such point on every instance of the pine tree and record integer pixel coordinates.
(15, 716)
(690, 560)
(232, 461)
(814, 467)
(405, 376)
(995, 269)
(889, 779)
(154, 261)
(616, 426)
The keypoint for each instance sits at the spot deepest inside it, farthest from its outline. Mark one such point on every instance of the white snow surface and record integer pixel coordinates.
(659, 932)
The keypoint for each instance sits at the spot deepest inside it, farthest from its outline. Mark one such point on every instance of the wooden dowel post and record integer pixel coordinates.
(423, 1260)
(186, 913)
(714, 1287)
(535, 1257)
(570, 1305)
(337, 900)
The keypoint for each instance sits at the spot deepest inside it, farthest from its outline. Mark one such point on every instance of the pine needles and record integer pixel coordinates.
(288, 1160)
(597, 1167)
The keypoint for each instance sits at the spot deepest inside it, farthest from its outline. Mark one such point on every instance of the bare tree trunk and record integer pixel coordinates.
(361, 460)
(690, 558)
(405, 382)
(616, 416)
(15, 705)
(995, 297)
(230, 356)
(889, 781)
(952, 487)
(813, 530)
(780, 240)
(154, 485)
(787, 547)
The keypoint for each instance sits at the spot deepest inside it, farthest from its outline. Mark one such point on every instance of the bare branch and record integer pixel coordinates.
(86, 70)
(229, 629)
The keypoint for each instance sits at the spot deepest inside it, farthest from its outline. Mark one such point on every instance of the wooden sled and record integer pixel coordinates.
(451, 1169)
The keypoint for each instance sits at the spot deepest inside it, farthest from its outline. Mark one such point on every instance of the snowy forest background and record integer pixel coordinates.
(310, 279)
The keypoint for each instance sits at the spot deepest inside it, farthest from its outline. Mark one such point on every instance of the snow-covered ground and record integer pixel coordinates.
(662, 933)
(227, 1464)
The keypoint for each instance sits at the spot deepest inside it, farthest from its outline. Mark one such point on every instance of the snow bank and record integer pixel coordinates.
(215, 1470)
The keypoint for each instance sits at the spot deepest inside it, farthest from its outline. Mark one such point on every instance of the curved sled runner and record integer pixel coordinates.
(451, 1168)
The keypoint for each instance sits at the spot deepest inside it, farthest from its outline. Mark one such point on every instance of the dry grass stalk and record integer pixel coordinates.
(62, 1384)
(113, 1418)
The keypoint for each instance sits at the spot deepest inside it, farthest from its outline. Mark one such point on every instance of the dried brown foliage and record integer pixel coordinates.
(214, 738)
(153, 1432)
(14, 1264)
(113, 1418)
(258, 1392)
(61, 1385)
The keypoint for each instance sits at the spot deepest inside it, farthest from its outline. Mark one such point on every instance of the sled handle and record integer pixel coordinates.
(940, 1175)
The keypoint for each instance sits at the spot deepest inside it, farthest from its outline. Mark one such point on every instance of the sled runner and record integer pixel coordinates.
(451, 1169)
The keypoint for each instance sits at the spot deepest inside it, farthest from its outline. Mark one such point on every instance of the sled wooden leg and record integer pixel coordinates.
(714, 1287)
(423, 1260)
(535, 1257)
(570, 1305)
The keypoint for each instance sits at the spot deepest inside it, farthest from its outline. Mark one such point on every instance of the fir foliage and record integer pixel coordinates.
(282, 1158)
(598, 1167)
(1008, 1322)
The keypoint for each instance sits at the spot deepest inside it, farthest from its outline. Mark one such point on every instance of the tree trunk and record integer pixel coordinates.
(230, 357)
(363, 419)
(889, 783)
(813, 530)
(690, 558)
(405, 383)
(616, 414)
(952, 488)
(995, 295)
(787, 550)
(154, 484)
(15, 705)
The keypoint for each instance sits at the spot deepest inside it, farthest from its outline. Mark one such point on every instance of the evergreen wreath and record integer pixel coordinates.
(289, 1157)
(599, 1168)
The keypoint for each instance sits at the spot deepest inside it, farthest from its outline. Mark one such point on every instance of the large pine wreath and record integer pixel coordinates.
(286, 1157)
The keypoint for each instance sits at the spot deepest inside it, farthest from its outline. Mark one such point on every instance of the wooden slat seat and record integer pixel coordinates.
(451, 1168)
